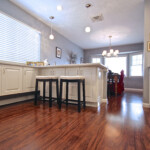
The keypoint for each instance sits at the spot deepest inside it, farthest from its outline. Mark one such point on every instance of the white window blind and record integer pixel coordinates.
(18, 42)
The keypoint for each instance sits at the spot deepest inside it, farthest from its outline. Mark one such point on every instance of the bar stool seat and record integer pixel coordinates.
(45, 79)
(74, 79)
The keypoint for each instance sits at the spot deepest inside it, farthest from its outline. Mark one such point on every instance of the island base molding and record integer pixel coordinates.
(146, 105)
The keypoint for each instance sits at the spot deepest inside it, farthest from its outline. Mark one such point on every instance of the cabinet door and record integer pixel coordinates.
(90, 81)
(72, 86)
(58, 72)
(11, 80)
(0, 80)
(29, 77)
(52, 72)
(46, 72)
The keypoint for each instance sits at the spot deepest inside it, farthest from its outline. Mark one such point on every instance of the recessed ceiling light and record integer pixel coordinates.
(59, 8)
(87, 29)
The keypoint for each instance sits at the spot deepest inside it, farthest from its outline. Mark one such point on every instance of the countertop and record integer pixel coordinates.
(55, 66)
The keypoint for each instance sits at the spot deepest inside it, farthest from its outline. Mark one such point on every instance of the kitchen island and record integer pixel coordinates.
(95, 81)
(16, 78)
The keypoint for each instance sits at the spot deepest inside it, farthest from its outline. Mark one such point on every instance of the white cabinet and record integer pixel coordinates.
(95, 81)
(72, 86)
(58, 72)
(29, 77)
(90, 82)
(46, 71)
(51, 72)
(11, 80)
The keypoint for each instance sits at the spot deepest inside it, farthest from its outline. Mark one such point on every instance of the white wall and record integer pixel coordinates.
(48, 47)
(146, 53)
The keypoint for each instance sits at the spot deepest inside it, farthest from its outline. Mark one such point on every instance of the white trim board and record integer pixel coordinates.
(133, 90)
(104, 101)
(146, 105)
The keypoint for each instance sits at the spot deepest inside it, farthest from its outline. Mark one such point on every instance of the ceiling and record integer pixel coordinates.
(123, 19)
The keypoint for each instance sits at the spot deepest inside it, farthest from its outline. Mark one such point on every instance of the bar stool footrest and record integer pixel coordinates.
(71, 100)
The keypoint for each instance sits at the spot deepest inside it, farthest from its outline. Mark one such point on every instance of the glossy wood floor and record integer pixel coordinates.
(122, 124)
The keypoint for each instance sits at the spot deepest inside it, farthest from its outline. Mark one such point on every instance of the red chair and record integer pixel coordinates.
(120, 84)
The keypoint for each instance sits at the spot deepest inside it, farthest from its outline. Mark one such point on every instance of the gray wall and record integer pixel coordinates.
(48, 47)
(125, 48)
(130, 82)
(146, 53)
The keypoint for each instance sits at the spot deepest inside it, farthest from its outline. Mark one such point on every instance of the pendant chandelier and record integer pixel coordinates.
(111, 53)
(51, 37)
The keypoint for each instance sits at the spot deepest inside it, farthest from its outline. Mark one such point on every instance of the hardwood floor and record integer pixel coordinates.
(122, 124)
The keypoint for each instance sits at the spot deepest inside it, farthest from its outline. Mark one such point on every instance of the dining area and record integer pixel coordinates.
(115, 83)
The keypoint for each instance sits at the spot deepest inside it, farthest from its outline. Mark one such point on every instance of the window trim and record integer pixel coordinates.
(96, 56)
(130, 63)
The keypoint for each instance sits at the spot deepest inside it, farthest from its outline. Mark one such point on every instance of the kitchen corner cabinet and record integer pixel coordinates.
(29, 77)
(11, 79)
(90, 80)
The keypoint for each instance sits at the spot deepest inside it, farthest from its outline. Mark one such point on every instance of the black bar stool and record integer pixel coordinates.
(75, 79)
(45, 79)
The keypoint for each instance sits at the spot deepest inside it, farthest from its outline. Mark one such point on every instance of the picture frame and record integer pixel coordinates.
(58, 52)
(148, 46)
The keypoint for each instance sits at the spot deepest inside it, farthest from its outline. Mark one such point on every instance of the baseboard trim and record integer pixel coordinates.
(104, 100)
(92, 104)
(16, 100)
(133, 90)
(146, 105)
(19, 102)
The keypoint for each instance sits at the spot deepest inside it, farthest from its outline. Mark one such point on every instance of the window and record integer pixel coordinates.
(116, 64)
(96, 60)
(136, 65)
(18, 42)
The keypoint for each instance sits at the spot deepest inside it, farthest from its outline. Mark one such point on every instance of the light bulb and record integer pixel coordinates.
(111, 51)
(117, 51)
(108, 54)
(87, 29)
(51, 37)
(104, 53)
(115, 54)
(59, 8)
